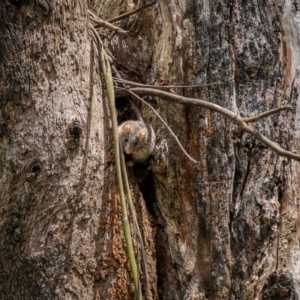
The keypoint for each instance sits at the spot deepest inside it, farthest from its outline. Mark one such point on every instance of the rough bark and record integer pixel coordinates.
(61, 229)
(225, 228)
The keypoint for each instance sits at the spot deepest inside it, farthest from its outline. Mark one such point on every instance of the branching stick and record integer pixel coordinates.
(267, 113)
(239, 121)
(107, 25)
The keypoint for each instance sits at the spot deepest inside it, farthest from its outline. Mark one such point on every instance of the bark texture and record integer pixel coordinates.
(225, 228)
(61, 230)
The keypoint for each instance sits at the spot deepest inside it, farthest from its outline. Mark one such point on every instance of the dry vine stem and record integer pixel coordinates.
(239, 121)
(134, 217)
(105, 66)
(106, 24)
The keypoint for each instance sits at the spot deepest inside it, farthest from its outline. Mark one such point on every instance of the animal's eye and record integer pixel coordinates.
(126, 140)
(135, 143)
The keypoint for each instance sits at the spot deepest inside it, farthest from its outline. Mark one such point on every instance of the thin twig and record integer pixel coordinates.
(267, 113)
(136, 110)
(127, 232)
(239, 121)
(162, 120)
(107, 25)
(162, 87)
(96, 36)
(130, 12)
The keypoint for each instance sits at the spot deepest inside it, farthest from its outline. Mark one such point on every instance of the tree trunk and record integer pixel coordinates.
(224, 228)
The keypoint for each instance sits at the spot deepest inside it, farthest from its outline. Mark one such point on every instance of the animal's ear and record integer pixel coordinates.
(126, 128)
(142, 134)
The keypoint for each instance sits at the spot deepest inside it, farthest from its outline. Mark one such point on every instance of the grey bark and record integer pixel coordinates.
(61, 232)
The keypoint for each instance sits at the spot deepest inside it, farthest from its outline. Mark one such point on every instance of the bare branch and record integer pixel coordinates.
(162, 87)
(267, 113)
(95, 36)
(239, 121)
(107, 25)
(184, 100)
(136, 110)
(131, 12)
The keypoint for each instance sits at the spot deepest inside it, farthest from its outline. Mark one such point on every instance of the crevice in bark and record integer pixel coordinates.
(279, 286)
(163, 258)
(142, 172)
(241, 179)
(141, 180)
(124, 110)
(19, 3)
(145, 182)
(33, 170)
